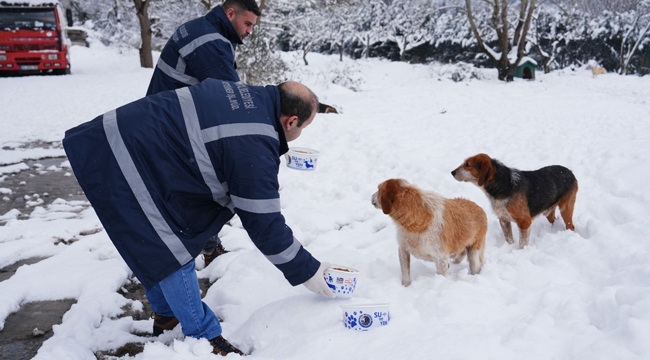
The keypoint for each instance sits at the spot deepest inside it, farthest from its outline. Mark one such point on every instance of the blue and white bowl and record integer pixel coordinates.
(300, 158)
(362, 317)
(341, 279)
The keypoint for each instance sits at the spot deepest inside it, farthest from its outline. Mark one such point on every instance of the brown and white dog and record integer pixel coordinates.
(431, 227)
(520, 196)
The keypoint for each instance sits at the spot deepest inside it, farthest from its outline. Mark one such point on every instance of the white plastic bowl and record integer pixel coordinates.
(362, 317)
(341, 279)
(300, 158)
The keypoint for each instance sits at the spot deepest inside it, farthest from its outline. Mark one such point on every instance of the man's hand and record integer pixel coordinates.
(317, 282)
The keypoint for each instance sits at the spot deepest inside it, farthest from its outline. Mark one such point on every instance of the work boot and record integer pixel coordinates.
(219, 250)
(221, 346)
(162, 323)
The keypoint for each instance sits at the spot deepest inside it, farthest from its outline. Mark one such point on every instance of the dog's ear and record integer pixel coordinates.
(386, 197)
(483, 164)
(412, 212)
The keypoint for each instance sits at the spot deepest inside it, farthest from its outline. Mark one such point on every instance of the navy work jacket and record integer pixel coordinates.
(199, 49)
(166, 172)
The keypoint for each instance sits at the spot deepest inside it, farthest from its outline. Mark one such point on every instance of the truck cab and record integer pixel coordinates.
(33, 37)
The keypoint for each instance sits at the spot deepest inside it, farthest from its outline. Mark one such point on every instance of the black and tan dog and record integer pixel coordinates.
(326, 109)
(520, 196)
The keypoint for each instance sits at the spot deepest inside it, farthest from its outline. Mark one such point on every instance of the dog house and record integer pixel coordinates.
(526, 69)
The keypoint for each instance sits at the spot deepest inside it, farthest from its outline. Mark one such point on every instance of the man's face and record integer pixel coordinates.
(294, 132)
(243, 22)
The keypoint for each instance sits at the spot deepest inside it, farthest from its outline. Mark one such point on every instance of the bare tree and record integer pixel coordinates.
(261, 7)
(635, 35)
(142, 11)
(547, 58)
(408, 24)
(308, 35)
(341, 18)
(313, 22)
(368, 22)
(512, 50)
(546, 38)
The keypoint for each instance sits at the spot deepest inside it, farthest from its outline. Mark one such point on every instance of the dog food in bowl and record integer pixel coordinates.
(301, 158)
(362, 317)
(341, 279)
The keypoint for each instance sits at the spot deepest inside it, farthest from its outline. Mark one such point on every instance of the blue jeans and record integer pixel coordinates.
(179, 295)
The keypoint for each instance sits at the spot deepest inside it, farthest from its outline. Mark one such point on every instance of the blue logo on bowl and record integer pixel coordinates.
(301, 163)
(365, 320)
(341, 285)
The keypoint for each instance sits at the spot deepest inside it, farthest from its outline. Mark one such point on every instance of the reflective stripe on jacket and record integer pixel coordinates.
(199, 49)
(166, 172)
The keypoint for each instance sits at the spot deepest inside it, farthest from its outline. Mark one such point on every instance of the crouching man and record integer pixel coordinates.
(166, 172)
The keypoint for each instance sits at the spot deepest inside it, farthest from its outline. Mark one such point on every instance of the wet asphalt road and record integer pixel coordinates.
(44, 181)
(38, 186)
(27, 329)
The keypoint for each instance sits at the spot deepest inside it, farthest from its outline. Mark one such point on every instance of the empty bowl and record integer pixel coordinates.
(363, 317)
(341, 279)
(300, 158)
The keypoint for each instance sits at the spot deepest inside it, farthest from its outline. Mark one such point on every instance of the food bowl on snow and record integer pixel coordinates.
(341, 279)
(363, 317)
(300, 158)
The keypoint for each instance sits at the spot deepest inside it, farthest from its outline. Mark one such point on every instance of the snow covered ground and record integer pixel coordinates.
(568, 295)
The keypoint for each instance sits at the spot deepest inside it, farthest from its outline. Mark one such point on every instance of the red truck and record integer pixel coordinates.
(33, 37)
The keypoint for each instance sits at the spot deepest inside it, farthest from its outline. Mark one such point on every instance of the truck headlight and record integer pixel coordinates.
(52, 56)
(3, 57)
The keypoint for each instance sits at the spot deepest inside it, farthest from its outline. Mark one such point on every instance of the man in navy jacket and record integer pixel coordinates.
(205, 47)
(166, 172)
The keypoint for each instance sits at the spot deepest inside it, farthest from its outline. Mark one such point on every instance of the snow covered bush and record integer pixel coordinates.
(456, 72)
(257, 60)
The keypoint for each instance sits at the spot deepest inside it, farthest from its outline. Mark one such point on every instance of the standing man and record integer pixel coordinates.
(205, 48)
(166, 172)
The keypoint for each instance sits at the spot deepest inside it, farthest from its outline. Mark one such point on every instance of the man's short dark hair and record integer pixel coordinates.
(242, 5)
(300, 103)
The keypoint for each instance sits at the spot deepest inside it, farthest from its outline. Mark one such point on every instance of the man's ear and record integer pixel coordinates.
(290, 122)
(230, 13)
